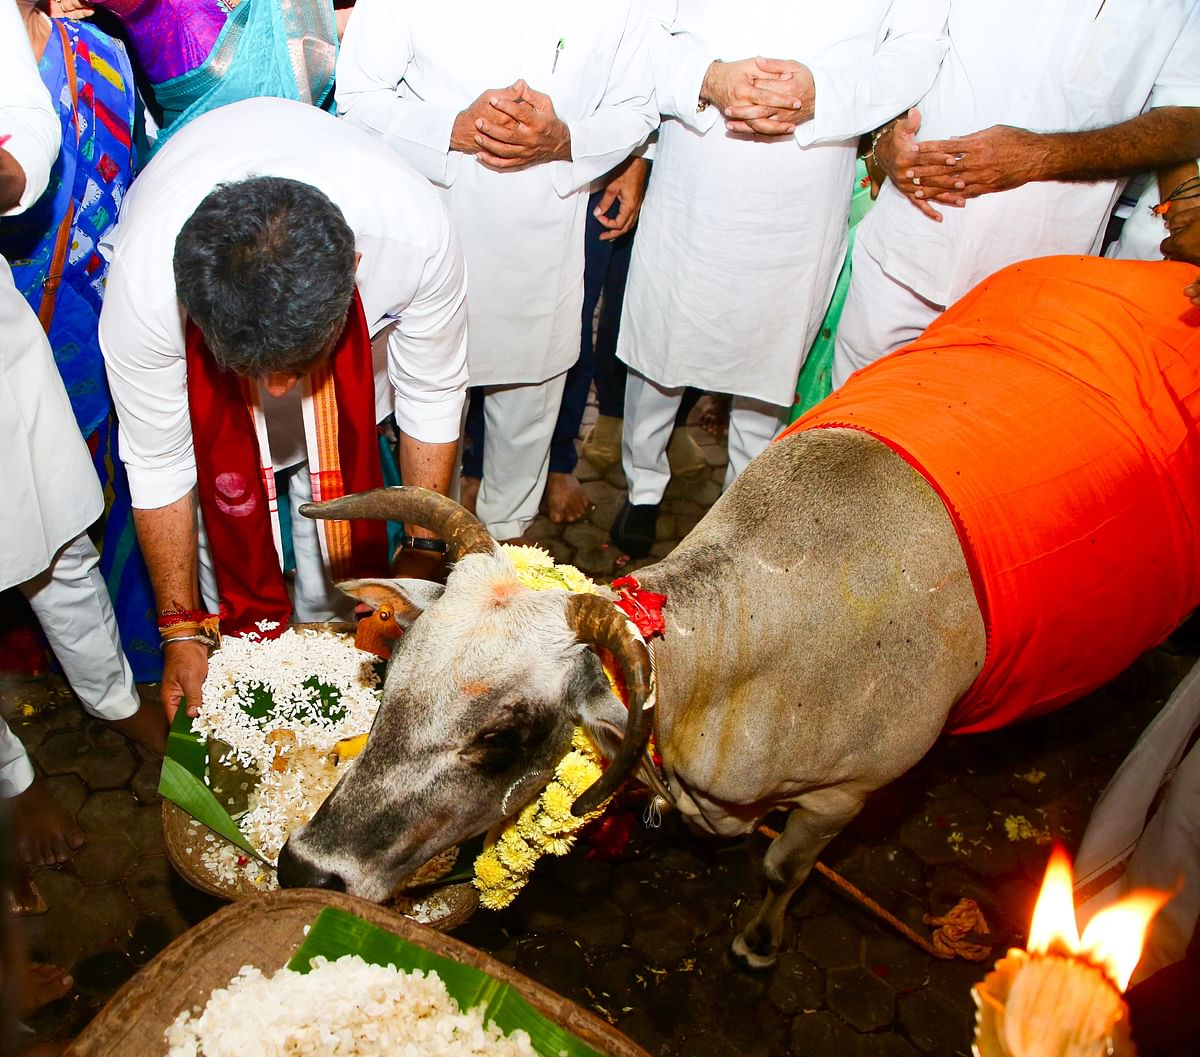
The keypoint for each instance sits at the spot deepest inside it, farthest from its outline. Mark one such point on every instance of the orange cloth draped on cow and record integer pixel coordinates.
(1054, 409)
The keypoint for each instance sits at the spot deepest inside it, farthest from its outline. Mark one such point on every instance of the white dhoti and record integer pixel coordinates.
(72, 605)
(1145, 829)
(519, 423)
(650, 411)
(881, 315)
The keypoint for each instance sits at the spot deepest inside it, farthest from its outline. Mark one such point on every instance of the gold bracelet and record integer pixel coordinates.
(876, 136)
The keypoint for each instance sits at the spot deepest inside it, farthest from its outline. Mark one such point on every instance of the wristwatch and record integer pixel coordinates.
(420, 543)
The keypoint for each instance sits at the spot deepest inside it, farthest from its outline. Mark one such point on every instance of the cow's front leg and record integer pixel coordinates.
(817, 819)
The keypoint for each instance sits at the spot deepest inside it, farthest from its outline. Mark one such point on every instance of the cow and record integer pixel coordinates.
(823, 620)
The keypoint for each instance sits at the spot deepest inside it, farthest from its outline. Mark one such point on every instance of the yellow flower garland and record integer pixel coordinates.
(546, 826)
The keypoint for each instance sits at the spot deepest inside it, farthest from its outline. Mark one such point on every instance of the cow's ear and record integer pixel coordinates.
(604, 717)
(597, 709)
(408, 599)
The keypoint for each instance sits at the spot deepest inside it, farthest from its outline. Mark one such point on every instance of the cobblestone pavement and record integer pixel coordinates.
(642, 939)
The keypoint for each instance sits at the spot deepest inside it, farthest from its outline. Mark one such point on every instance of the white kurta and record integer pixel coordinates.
(1144, 230)
(411, 278)
(1046, 65)
(741, 237)
(405, 71)
(27, 115)
(51, 493)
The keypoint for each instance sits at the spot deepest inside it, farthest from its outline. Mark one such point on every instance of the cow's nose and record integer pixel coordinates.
(294, 872)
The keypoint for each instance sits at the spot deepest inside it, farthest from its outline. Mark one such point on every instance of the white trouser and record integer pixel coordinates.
(70, 601)
(518, 424)
(315, 597)
(16, 771)
(1167, 857)
(650, 412)
(880, 316)
(1147, 823)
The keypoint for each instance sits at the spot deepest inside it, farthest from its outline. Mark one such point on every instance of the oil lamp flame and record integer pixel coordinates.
(1062, 997)
(1053, 926)
(1113, 938)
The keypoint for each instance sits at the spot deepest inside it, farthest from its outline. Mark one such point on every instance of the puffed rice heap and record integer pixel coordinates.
(344, 1008)
(286, 668)
(290, 674)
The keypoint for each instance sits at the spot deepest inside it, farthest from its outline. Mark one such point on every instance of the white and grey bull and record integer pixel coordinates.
(820, 625)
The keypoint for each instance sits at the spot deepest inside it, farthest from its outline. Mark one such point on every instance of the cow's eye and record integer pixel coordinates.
(503, 739)
(497, 749)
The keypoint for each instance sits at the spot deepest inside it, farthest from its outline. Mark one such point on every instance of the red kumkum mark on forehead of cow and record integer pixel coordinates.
(503, 592)
(474, 689)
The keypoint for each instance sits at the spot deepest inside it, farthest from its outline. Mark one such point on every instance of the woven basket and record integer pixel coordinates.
(265, 931)
(185, 842)
(184, 838)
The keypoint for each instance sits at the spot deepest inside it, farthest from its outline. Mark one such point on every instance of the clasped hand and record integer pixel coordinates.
(512, 128)
(766, 97)
(952, 170)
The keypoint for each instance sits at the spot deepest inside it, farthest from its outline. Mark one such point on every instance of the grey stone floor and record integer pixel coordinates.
(642, 939)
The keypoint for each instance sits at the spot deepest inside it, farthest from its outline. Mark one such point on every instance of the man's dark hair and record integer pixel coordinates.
(265, 267)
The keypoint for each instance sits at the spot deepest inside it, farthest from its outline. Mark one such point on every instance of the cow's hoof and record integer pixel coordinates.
(747, 959)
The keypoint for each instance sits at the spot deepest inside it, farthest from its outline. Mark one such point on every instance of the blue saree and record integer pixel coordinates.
(52, 249)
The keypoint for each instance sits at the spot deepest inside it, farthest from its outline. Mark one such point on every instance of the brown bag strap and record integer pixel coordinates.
(62, 242)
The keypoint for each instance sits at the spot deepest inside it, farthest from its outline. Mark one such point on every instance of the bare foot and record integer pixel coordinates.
(468, 493)
(565, 498)
(39, 985)
(45, 834)
(713, 414)
(147, 726)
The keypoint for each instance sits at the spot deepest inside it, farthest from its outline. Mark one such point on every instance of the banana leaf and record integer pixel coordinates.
(181, 787)
(231, 781)
(183, 783)
(336, 933)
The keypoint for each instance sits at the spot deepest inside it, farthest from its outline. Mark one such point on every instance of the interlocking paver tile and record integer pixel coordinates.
(897, 962)
(102, 861)
(596, 923)
(552, 957)
(118, 807)
(938, 1026)
(859, 997)
(145, 781)
(64, 752)
(885, 1044)
(662, 938)
(831, 941)
(69, 791)
(823, 1035)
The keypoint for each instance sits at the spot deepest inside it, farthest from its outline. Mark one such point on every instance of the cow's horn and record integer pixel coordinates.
(416, 506)
(598, 622)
